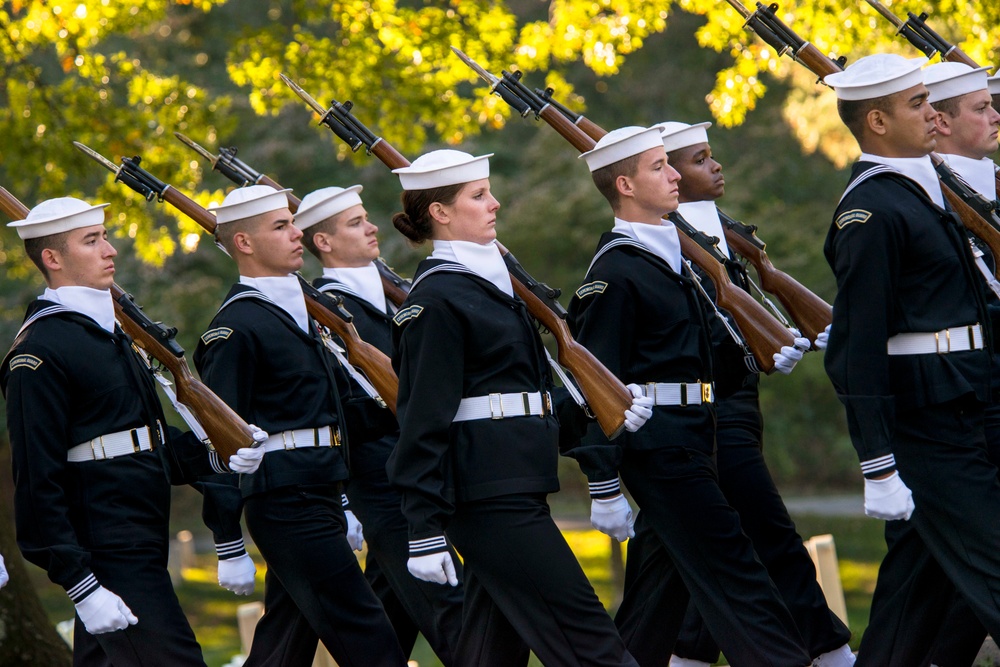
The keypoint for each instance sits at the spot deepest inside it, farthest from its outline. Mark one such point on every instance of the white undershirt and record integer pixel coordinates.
(661, 239)
(364, 280)
(286, 292)
(919, 169)
(484, 260)
(980, 174)
(704, 216)
(93, 303)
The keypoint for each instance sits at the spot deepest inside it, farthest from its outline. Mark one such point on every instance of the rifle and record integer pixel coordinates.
(765, 21)
(810, 313)
(922, 36)
(606, 396)
(764, 335)
(326, 309)
(226, 430)
(926, 40)
(226, 163)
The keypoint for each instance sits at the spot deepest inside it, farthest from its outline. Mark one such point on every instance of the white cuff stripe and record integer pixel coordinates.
(344, 502)
(217, 464)
(607, 487)
(87, 586)
(230, 549)
(871, 465)
(428, 545)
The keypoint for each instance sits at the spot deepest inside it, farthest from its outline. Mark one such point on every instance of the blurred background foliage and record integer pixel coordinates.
(122, 75)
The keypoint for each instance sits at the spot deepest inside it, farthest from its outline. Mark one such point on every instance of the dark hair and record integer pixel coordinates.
(225, 232)
(327, 226)
(34, 247)
(854, 112)
(950, 106)
(414, 221)
(606, 177)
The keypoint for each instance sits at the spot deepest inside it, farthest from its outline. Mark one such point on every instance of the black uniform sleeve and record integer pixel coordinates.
(865, 257)
(222, 504)
(601, 323)
(429, 360)
(227, 366)
(40, 438)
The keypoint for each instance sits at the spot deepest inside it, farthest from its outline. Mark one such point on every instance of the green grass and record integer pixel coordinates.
(212, 610)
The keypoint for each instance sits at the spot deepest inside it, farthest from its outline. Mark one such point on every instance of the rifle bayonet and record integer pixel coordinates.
(129, 173)
(500, 86)
(226, 163)
(326, 116)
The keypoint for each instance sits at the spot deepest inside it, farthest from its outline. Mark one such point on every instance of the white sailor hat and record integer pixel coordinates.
(443, 167)
(325, 203)
(619, 144)
(947, 80)
(54, 216)
(993, 83)
(247, 202)
(681, 135)
(876, 75)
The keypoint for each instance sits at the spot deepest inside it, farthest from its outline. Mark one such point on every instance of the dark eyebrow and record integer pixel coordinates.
(918, 96)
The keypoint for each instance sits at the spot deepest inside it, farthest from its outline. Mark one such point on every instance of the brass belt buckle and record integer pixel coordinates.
(706, 393)
(496, 412)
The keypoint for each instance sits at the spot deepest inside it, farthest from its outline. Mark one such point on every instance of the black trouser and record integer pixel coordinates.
(952, 541)
(162, 637)
(314, 587)
(750, 490)
(524, 589)
(962, 635)
(697, 550)
(410, 603)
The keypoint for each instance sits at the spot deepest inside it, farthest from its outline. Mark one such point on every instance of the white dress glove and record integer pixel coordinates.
(237, 574)
(4, 577)
(823, 338)
(103, 611)
(785, 360)
(613, 517)
(641, 410)
(888, 498)
(355, 531)
(437, 568)
(246, 460)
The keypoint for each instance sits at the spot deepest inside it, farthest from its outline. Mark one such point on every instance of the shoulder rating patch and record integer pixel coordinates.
(596, 287)
(212, 335)
(28, 361)
(407, 314)
(858, 215)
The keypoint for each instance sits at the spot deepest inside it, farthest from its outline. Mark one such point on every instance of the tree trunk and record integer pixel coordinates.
(26, 636)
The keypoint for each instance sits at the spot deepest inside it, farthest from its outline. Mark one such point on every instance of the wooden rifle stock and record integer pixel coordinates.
(810, 313)
(365, 356)
(226, 430)
(975, 223)
(764, 335)
(606, 396)
(375, 364)
(394, 286)
(821, 66)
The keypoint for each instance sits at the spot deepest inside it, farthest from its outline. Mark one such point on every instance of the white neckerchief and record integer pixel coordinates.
(919, 169)
(94, 303)
(286, 292)
(980, 174)
(483, 260)
(704, 216)
(661, 239)
(364, 280)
